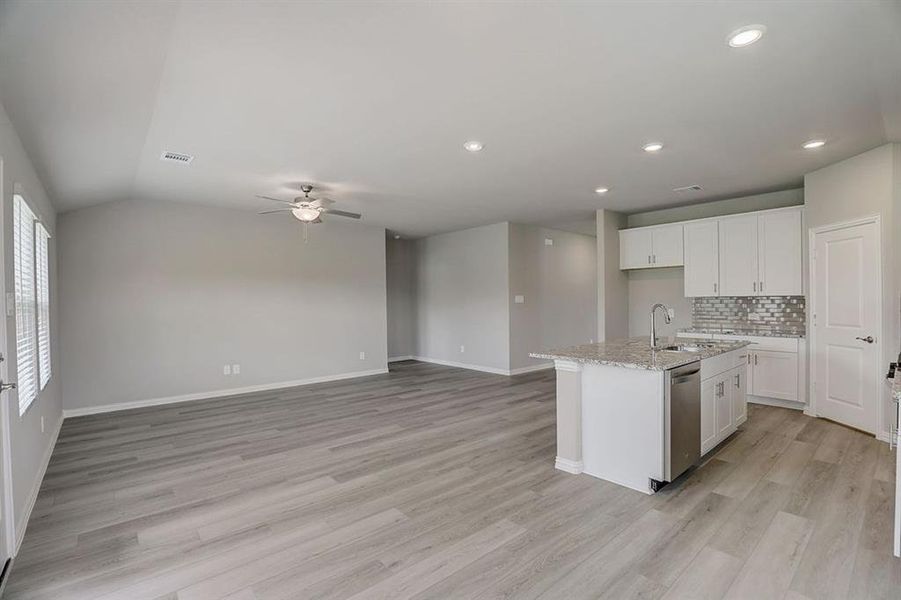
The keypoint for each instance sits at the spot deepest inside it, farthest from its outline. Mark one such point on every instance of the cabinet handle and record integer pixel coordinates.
(749, 358)
(755, 358)
(654, 256)
(738, 380)
(714, 288)
(755, 286)
(649, 259)
(761, 286)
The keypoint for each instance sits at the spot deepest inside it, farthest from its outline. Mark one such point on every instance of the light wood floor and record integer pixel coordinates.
(432, 482)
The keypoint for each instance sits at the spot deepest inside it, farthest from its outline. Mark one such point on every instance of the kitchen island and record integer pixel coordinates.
(619, 418)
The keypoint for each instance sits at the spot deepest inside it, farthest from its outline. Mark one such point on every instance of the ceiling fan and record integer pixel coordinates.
(308, 210)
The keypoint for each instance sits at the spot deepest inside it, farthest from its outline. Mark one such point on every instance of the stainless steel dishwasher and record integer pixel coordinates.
(682, 415)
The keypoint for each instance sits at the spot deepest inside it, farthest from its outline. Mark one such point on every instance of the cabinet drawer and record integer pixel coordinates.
(776, 344)
(711, 367)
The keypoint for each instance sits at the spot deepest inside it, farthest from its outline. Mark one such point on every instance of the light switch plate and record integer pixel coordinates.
(548, 241)
(236, 369)
(518, 299)
(226, 370)
(362, 356)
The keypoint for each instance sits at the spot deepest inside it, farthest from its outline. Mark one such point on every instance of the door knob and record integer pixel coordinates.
(869, 339)
(6, 386)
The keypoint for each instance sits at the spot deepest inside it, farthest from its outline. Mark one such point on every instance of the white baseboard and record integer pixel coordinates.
(459, 365)
(93, 410)
(494, 370)
(531, 368)
(36, 487)
(777, 402)
(392, 359)
(884, 436)
(569, 466)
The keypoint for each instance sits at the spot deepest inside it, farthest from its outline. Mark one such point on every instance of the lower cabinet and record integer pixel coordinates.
(775, 374)
(723, 403)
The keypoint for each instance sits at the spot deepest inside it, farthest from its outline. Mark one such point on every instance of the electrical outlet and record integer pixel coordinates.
(42, 424)
(519, 299)
(462, 349)
(590, 340)
(226, 370)
(362, 356)
(236, 369)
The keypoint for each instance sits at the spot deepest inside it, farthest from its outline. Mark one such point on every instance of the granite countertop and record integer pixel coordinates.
(635, 353)
(785, 333)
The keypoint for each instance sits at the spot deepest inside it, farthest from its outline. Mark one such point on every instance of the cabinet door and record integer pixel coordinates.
(774, 374)
(635, 248)
(779, 252)
(708, 413)
(738, 256)
(666, 246)
(739, 384)
(702, 259)
(724, 424)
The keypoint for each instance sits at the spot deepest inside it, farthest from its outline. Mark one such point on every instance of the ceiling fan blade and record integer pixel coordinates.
(268, 212)
(321, 202)
(341, 213)
(277, 200)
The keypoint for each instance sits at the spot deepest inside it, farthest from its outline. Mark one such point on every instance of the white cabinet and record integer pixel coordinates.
(738, 256)
(649, 247)
(779, 253)
(702, 258)
(753, 254)
(723, 398)
(774, 374)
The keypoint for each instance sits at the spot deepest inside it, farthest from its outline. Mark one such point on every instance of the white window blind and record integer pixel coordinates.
(26, 330)
(42, 265)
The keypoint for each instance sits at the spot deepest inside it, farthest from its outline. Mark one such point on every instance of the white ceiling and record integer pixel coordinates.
(374, 101)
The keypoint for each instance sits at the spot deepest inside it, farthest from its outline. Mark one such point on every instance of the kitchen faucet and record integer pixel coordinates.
(666, 317)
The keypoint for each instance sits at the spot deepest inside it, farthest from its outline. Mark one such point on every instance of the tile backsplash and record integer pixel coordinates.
(771, 314)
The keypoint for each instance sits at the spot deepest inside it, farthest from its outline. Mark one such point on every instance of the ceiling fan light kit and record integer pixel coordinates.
(308, 210)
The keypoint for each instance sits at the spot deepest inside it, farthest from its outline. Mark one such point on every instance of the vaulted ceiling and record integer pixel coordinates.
(374, 100)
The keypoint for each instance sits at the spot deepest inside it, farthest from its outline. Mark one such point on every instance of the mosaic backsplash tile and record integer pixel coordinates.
(764, 314)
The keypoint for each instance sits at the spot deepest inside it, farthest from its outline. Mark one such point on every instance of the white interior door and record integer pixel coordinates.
(846, 319)
(7, 534)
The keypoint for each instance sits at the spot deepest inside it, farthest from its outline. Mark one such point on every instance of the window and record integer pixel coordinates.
(32, 285)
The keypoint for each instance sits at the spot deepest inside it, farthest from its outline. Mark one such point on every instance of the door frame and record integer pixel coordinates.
(811, 290)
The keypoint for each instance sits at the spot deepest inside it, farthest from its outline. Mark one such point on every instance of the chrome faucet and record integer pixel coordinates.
(666, 317)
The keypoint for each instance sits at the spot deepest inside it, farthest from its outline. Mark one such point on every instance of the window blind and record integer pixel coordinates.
(42, 265)
(26, 330)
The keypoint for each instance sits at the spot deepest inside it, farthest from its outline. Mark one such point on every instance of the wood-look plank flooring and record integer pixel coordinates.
(433, 482)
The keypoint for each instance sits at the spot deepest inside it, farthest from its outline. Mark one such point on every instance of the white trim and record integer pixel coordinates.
(567, 365)
(531, 368)
(811, 307)
(35, 488)
(568, 466)
(392, 359)
(459, 365)
(884, 436)
(792, 404)
(93, 410)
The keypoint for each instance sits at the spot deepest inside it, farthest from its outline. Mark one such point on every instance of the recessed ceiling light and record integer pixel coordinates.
(653, 147)
(473, 146)
(813, 144)
(745, 36)
(396, 236)
(601, 190)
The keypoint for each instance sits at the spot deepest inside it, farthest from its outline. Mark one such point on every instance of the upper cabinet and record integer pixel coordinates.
(648, 247)
(702, 258)
(738, 256)
(752, 254)
(779, 253)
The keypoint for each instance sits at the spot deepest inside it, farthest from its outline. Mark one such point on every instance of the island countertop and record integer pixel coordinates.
(636, 353)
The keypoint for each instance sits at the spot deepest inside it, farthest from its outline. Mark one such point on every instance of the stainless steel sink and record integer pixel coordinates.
(686, 348)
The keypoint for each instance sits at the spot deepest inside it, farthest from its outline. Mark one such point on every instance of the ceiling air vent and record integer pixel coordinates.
(184, 159)
(688, 188)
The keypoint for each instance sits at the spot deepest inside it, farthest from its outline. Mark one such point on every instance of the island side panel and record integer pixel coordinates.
(622, 425)
(569, 416)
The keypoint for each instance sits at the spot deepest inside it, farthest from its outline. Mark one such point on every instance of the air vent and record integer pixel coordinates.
(688, 188)
(184, 159)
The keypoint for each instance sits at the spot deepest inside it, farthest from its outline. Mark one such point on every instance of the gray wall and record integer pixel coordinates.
(613, 284)
(156, 297)
(649, 286)
(462, 291)
(865, 185)
(718, 208)
(28, 446)
(559, 286)
(400, 256)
